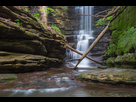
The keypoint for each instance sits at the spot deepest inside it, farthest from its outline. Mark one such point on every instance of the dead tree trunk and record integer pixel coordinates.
(81, 54)
(93, 44)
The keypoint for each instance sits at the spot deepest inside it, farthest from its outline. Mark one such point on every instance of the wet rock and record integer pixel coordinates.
(7, 78)
(23, 46)
(19, 62)
(112, 76)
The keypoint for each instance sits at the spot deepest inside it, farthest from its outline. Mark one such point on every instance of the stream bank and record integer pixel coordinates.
(59, 83)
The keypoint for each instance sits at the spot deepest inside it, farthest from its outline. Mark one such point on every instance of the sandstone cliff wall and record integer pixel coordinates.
(25, 44)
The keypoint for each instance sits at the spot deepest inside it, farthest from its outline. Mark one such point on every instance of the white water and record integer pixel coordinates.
(85, 34)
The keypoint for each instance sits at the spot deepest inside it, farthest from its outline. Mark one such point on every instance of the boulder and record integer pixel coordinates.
(114, 76)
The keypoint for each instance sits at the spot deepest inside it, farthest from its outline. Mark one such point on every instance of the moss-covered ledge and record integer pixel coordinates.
(123, 40)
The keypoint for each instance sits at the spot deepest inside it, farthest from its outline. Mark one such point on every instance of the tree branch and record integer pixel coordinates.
(113, 12)
(93, 44)
(82, 54)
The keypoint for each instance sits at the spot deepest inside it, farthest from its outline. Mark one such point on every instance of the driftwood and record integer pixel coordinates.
(93, 44)
(72, 60)
(81, 54)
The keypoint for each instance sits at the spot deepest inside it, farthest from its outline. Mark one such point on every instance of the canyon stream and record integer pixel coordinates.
(61, 82)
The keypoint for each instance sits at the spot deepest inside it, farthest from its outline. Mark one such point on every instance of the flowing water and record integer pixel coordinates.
(84, 35)
(58, 83)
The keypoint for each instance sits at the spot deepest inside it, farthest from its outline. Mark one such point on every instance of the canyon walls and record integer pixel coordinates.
(25, 44)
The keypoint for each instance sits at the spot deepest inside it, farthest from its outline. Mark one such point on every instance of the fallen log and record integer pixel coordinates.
(93, 44)
(72, 60)
(81, 54)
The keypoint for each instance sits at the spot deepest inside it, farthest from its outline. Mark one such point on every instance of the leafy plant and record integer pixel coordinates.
(56, 28)
(102, 23)
(9, 19)
(26, 9)
(20, 24)
(41, 22)
(48, 10)
(36, 15)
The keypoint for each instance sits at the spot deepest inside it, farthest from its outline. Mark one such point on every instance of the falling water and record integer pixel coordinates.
(85, 34)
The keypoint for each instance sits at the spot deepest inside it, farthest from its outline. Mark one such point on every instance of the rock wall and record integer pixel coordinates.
(122, 50)
(65, 20)
(25, 44)
(101, 47)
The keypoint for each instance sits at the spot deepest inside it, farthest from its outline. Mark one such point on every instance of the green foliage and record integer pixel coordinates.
(102, 23)
(126, 41)
(56, 28)
(26, 9)
(36, 15)
(49, 10)
(9, 19)
(17, 21)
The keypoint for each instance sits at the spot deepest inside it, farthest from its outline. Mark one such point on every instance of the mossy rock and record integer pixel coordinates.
(23, 46)
(111, 76)
(123, 39)
(4, 78)
(110, 62)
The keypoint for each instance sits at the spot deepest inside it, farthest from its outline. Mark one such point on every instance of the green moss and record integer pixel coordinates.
(110, 62)
(123, 37)
(1, 24)
(7, 78)
(109, 81)
(126, 41)
(79, 76)
(111, 49)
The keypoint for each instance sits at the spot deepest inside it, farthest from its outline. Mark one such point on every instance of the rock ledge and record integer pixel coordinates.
(114, 76)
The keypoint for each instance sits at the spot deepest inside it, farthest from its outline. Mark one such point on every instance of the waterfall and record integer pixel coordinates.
(85, 34)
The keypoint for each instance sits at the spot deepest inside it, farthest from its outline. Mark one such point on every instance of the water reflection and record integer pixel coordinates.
(86, 91)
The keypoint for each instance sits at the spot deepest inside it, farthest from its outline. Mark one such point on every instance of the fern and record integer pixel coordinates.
(56, 28)
(102, 23)
(36, 15)
(48, 10)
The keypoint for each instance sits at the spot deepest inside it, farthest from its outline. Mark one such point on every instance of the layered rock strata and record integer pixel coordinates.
(29, 38)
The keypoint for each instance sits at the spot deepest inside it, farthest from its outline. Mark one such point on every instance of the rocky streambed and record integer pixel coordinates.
(52, 78)
(56, 78)
(65, 83)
